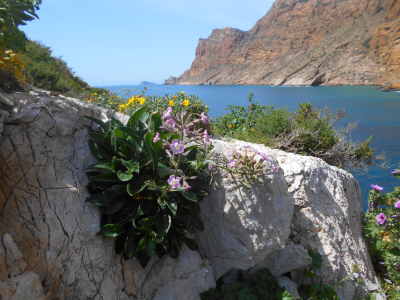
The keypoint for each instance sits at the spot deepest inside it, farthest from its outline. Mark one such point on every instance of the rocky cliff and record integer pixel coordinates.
(48, 247)
(305, 42)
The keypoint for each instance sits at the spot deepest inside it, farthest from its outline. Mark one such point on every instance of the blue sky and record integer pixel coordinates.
(123, 42)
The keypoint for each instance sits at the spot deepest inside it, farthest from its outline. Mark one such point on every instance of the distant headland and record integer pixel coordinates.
(146, 83)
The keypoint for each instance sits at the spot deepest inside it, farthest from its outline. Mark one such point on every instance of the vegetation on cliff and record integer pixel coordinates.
(308, 131)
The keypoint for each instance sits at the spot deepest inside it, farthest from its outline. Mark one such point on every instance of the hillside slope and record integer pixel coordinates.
(305, 42)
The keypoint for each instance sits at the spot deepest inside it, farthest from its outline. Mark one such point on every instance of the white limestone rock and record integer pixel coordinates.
(243, 226)
(43, 154)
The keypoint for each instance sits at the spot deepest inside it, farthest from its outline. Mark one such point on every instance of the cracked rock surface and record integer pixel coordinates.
(49, 249)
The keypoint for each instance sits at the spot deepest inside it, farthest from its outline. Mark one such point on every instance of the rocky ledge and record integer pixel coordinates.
(48, 246)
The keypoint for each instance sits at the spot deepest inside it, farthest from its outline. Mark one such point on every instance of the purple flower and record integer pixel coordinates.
(187, 187)
(187, 129)
(232, 163)
(250, 105)
(356, 284)
(397, 204)
(396, 171)
(206, 136)
(394, 216)
(246, 146)
(167, 114)
(371, 204)
(273, 168)
(377, 187)
(382, 263)
(264, 156)
(381, 219)
(177, 146)
(210, 167)
(147, 88)
(156, 138)
(171, 122)
(256, 151)
(174, 182)
(203, 118)
(248, 110)
(230, 153)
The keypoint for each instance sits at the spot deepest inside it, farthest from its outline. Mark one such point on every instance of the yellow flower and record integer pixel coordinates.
(186, 102)
(230, 126)
(122, 106)
(183, 93)
(119, 91)
(123, 89)
(206, 106)
(174, 97)
(386, 237)
(108, 89)
(142, 100)
(197, 105)
(90, 100)
(326, 139)
(95, 94)
(159, 100)
(104, 93)
(160, 108)
(171, 102)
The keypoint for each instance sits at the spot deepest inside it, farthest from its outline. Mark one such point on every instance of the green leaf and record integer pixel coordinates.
(132, 165)
(173, 206)
(123, 176)
(192, 245)
(107, 177)
(117, 189)
(100, 199)
(190, 148)
(163, 222)
(154, 123)
(165, 172)
(101, 166)
(147, 222)
(395, 251)
(140, 245)
(155, 161)
(190, 196)
(113, 140)
(99, 122)
(135, 117)
(116, 204)
(192, 154)
(149, 243)
(190, 220)
(316, 260)
(135, 187)
(98, 151)
(100, 137)
(145, 206)
(111, 230)
(130, 248)
(117, 123)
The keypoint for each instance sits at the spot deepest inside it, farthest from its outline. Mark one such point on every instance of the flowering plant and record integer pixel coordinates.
(382, 234)
(149, 181)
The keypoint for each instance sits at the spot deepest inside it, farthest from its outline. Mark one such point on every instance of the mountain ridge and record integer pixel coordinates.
(312, 42)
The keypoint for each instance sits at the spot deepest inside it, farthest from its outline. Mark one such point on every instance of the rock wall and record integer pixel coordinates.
(312, 42)
(48, 247)
(48, 229)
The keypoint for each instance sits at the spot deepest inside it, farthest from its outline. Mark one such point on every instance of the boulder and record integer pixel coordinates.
(243, 226)
(48, 232)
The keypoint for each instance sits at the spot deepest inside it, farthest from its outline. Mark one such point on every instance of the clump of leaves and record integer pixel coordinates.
(261, 286)
(144, 211)
(308, 131)
(381, 230)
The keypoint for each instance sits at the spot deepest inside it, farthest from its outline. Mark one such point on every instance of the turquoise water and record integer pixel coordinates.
(376, 112)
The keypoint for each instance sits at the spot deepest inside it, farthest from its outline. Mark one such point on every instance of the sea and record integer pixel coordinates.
(377, 114)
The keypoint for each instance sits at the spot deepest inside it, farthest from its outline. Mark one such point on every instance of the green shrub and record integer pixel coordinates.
(307, 131)
(145, 211)
(381, 230)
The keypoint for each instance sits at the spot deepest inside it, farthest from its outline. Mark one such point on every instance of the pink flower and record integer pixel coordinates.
(206, 136)
(246, 146)
(396, 171)
(204, 118)
(177, 146)
(381, 219)
(264, 156)
(210, 167)
(256, 151)
(377, 187)
(174, 182)
(187, 129)
(187, 187)
(397, 204)
(167, 114)
(273, 168)
(171, 123)
(232, 163)
(230, 153)
(156, 138)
